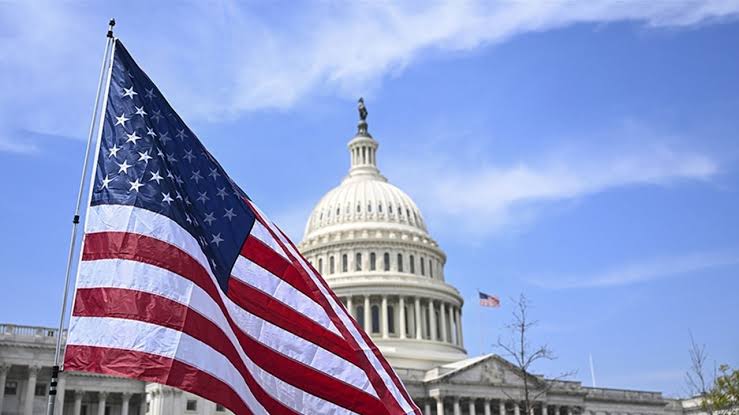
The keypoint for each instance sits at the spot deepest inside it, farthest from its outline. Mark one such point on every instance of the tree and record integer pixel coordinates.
(723, 397)
(696, 377)
(518, 348)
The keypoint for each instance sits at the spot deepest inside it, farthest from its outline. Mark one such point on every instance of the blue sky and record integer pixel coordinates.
(582, 153)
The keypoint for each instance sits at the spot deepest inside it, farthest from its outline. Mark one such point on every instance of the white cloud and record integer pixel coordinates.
(657, 268)
(222, 59)
(481, 198)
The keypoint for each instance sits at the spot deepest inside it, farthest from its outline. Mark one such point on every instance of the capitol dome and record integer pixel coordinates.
(369, 240)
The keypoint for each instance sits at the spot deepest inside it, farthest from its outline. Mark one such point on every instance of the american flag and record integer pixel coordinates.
(183, 281)
(487, 300)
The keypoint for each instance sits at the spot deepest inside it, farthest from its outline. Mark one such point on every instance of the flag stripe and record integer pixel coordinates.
(381, 378)
(135, 305)
(136, 336)
(254, 275)
(154, 368)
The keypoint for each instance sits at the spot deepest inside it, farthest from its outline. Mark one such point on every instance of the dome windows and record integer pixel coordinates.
(373, 261)
(320, 265)
(412, 264)
(400, 262)
(358, 261)
(379, 207)
(344, 263)
(375, 319)
(331, 265)
(386, 262)
(423, 266)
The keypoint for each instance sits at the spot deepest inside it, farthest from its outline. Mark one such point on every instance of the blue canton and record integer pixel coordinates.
(150, 159)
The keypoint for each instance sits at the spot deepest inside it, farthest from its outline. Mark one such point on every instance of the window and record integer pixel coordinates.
(431, 269)
(191, 405)
(338, 210)
(390, 208)
(83, 410)
(400, 262)
(320, 265)
(344, 263)
(373, 261)
(359, 207)
(107, 410)
(40, 389)
(360, 315)
(391, 319)
(11, 387)
(379, 207)
(413, 264)
(331, 265)
(438, 323)
(369, 208)
(220, 408)
(375, 319)
(386, 261)
(358, 262)
(407, 323)
(423, 266)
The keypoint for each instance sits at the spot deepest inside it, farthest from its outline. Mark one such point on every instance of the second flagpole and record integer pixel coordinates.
(76, 218)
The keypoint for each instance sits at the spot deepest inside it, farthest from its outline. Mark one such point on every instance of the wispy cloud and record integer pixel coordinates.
(226, 58)
(483, 198)
(639, 272)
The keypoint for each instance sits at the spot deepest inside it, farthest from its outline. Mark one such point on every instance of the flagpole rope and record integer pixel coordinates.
(76, 220)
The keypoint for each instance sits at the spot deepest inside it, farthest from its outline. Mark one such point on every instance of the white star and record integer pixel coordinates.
(164, 137)
(156, 177)
(169, 175)
(157, 116)
(187, 201)
(178, 179)
(149, 93)
(188, 155)
(187, 218)
(214, 173)
(160, 154)
(132, 138)
(123, 168)
(229, 214)
(106, 181)
(167, 198)
(150, 131)
(122, 120)
(181, 134)
(177, 195)
(212, 262)
(196, 176)
(144, 156)
(203, 197)
(217, 239)
(140, 111)
(209, 218)
(129, 92)
(135, 185)
(222, 193)
(114, 151)
(170, 158)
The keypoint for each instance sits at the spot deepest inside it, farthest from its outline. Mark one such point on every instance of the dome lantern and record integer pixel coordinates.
(363, 148)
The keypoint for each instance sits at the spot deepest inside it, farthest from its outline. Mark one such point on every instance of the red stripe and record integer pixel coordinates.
(147, 307)
(377, 382)
(264, 256)
(153, 368)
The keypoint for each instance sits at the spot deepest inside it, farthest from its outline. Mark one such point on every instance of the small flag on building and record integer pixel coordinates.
(184, 281)
(487, 300)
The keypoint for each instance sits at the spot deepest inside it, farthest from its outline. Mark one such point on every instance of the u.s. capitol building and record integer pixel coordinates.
(369, 240)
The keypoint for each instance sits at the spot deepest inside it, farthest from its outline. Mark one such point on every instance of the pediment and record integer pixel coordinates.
(488, 370)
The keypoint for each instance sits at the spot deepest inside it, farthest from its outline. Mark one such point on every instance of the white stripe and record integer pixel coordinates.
(121, 218)
(161, 341)
(345, 319)
(252, 274)
(260, 232)
(132, 275)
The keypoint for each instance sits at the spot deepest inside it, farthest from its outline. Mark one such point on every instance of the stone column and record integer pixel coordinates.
(384, 317)
(442, 314)
(4, 368)
(427, 408)
(486, 407)
(102, 397)
(439, 406)
(457, 408)
(350, 306)
(501, 407)
(125, 399)
(472, 406)
(78, 395)
(367, 315)
(30, 390)
(60, 386)
(401, 311)
(417, 318)
(432, 320)
(516, 409)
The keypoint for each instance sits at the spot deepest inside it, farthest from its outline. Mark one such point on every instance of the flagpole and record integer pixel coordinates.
(76, 220)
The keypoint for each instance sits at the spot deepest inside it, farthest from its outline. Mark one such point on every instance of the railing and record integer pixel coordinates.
(27, 331)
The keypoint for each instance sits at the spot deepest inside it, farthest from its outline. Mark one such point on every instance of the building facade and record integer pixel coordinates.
(369, 240)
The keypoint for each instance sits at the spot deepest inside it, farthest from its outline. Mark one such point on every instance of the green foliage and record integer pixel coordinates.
(723, 397)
